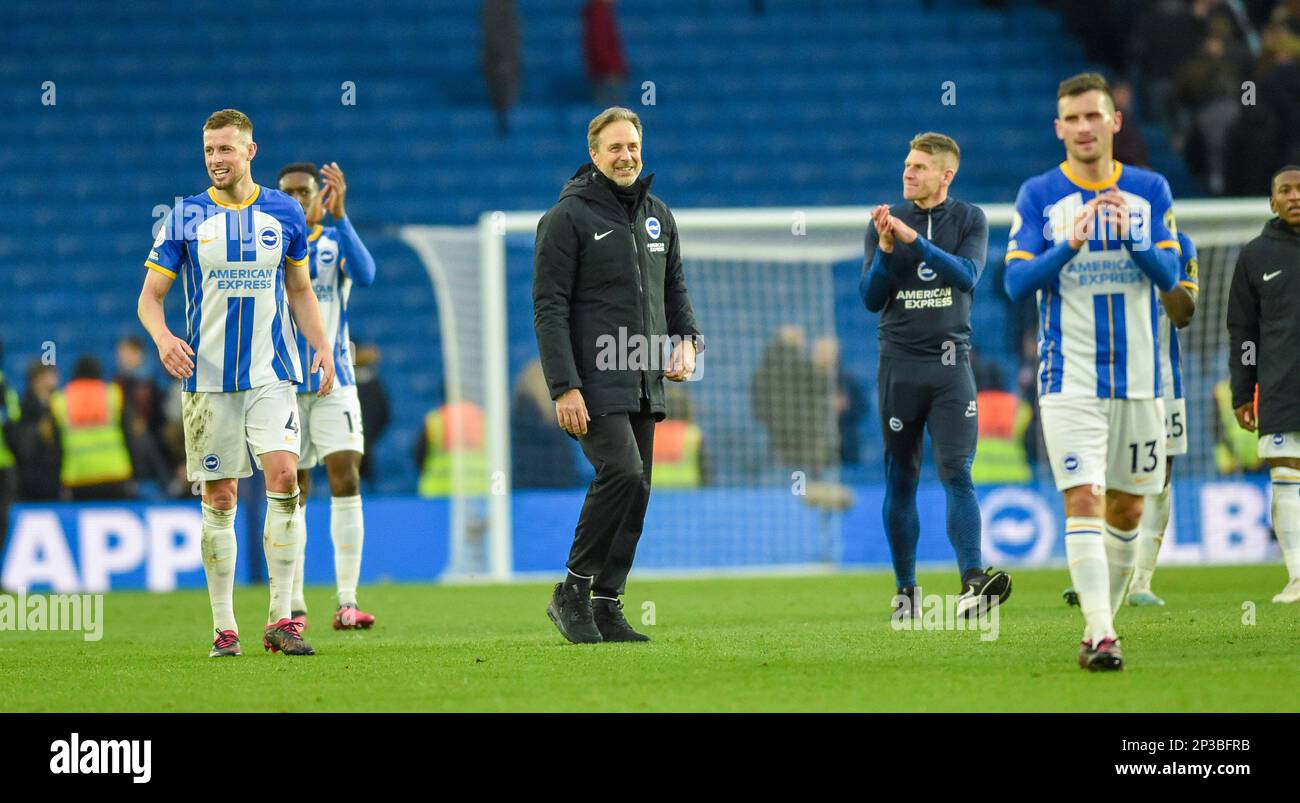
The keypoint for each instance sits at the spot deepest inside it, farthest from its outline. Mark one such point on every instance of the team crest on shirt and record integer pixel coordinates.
(925, 273)
(326, 256)
(211, 462)
(268, 237)
(652, 227)
(895, 424)
(1193, 268)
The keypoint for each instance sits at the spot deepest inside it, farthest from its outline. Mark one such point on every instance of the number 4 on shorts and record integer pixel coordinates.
(291, 424)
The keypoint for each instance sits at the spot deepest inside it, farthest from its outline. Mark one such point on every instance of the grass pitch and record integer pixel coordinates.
(772, 644)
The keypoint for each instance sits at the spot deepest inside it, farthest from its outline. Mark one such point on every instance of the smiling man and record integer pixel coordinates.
(608, 270)
(1263, 329)
(922, 285)
(241, 253)
(1096, 240)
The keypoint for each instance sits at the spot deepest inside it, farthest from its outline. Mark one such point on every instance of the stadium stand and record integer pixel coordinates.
(790, 107)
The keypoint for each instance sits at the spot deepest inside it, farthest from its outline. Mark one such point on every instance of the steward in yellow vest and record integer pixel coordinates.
(454, 452)
(88, 412)
(1000, 452)
(1237, 449)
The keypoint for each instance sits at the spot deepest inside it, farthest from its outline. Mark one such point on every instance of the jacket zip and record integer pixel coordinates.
(640, 299)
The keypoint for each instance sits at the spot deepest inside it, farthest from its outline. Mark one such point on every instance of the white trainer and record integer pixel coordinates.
(1291, 593)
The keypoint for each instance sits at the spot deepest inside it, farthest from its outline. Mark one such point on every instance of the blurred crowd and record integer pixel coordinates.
(1222, 75)
(112, 437)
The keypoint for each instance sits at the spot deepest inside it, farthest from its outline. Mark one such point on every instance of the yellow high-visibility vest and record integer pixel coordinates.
(676, 455)
(1237, 449)
(89, 416)
(10, 410)
(1000, 451)
(456, 459)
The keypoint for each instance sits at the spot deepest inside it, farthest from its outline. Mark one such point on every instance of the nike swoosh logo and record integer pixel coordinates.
(1267, 276)
(606, 234)
(201, 242)
(282, 545)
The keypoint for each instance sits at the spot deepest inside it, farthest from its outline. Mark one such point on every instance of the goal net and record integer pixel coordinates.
(773, 452)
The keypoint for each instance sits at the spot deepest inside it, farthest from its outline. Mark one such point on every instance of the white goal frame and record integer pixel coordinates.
(1232, 219)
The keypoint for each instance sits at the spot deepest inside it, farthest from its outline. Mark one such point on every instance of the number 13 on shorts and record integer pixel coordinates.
(1117, 444)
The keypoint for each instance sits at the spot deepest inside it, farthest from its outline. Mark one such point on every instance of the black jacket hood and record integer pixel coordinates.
(1279, 229)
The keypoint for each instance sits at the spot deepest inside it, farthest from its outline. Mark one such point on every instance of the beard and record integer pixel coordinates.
(624, 181)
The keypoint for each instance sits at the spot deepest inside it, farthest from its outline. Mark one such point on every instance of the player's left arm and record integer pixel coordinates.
(961, 269)
(1180, 302)
(678, 312)
(355, 259)
(302, 299)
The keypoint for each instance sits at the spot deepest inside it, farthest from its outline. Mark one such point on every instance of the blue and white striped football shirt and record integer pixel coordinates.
(230, 259)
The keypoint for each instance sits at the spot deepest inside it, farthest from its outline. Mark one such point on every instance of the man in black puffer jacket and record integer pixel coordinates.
(613, 320)
(1263, 327)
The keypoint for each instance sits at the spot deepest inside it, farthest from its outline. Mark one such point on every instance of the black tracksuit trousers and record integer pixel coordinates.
(620, 446)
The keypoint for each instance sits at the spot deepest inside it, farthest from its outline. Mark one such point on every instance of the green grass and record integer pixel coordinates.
(773, 644)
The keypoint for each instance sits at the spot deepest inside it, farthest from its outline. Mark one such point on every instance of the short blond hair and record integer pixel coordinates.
(229, 117)
(611, 115)
(933, 143)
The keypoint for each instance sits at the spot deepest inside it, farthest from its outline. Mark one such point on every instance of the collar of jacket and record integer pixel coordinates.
(1279, 229)
(939, 207)
(586, 184)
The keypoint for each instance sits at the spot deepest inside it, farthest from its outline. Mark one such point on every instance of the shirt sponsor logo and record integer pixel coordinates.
(652, 227)
(925, 299)
(1103, 271)
(242, 278)
(656, 248)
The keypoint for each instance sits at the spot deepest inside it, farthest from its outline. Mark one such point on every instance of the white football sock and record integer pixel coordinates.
(1121, 550)
(280, 543)
(1155, 518)
(1086, 552)
(1286, 516)
(219, 550)
(299, 602)
(347, 530)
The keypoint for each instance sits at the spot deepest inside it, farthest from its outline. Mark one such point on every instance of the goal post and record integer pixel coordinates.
(768, 273)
